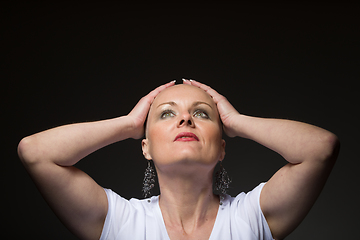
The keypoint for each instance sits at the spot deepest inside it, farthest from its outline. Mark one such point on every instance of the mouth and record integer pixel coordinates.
(186, 137)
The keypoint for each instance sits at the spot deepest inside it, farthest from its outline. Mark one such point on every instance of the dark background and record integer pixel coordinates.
(69, 62)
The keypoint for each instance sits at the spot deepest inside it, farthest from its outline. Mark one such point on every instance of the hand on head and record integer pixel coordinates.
(226, 111)
(139, 113)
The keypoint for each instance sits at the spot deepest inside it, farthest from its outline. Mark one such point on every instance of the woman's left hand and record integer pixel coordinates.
(226, 111)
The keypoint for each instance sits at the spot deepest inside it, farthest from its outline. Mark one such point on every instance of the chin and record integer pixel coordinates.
(187, 162)
(188, 157)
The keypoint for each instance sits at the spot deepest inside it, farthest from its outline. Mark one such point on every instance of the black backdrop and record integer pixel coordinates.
(70, 62)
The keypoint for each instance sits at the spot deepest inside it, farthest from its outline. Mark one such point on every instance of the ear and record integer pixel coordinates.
(145, 149)
(222, 155)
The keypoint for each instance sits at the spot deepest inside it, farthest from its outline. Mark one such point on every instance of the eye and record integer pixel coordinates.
(201, 114)
(167, 113)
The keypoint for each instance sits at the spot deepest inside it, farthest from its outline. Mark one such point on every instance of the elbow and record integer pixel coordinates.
(26, 150)
(334, 145)
(330, 148)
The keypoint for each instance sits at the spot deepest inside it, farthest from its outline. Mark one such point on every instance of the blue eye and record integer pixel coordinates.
(167, 113)
(201, 114)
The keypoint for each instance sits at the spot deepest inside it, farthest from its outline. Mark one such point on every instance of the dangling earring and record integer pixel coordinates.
(149, 180)
(222, 180)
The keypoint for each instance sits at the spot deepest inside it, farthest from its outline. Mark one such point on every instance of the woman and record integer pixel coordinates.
(183, 138)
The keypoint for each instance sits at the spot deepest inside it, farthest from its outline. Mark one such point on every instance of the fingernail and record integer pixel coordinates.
(173, 81)
(191, 80)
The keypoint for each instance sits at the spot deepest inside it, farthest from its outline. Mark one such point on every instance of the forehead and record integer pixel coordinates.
(183, 93)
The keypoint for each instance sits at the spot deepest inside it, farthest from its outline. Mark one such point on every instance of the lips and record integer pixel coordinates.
(186, 137)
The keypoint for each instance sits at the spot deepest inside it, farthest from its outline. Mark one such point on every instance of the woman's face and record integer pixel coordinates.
(183, 128)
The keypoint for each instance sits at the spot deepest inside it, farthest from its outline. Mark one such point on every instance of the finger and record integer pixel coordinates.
(162, 87)
(146, 101)
(214, 94)
(157, 90)
(185, 81)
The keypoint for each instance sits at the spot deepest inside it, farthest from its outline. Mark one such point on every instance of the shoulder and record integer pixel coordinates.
(246, 213)
(251, 197)
(118, 203)
(244, 199)
(126, 218)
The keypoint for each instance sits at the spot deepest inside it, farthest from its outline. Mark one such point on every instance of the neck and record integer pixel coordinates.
(187, 200)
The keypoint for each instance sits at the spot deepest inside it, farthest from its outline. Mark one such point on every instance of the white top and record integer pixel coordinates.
(238, 218)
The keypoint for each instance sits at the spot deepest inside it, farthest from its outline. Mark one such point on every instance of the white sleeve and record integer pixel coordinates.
(133, 219)
(250, 212)
(117, 212)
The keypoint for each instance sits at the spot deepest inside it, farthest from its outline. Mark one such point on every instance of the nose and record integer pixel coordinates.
(186, 120)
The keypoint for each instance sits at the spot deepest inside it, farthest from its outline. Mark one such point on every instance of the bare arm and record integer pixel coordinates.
(291, 192)
(49, 156)
(311, 152)
(295, 141)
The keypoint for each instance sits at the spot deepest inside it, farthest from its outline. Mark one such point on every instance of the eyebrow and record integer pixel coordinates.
(193, 105)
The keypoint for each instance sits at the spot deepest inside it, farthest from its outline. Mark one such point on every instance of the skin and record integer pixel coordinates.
(173, 112)
(310, 151)
(76, 199)
(184, 168)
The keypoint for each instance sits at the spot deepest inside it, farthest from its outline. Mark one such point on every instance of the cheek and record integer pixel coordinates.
(214, 139)
(158, 137)
(158, 133)
(213, 131)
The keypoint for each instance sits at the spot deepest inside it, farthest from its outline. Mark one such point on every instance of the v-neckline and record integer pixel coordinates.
(159, 216)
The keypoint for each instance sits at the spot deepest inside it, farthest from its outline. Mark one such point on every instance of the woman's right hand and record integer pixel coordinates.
(139, 113)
